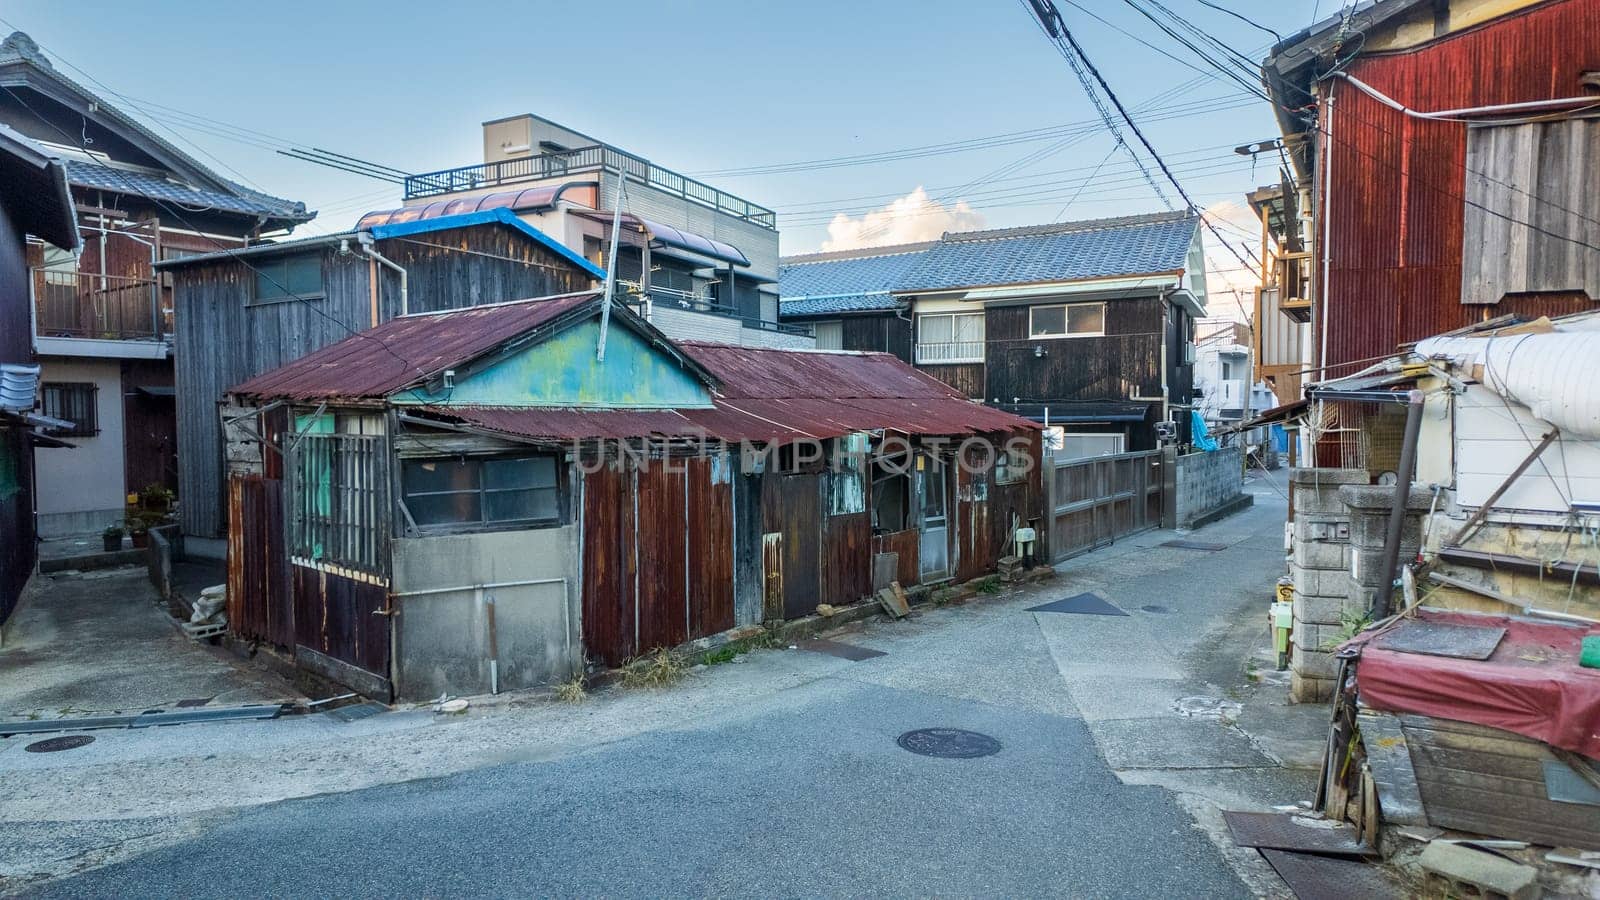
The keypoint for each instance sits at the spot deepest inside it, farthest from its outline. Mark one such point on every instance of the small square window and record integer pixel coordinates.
(297, 277)
(1070, 320)
(74, 402)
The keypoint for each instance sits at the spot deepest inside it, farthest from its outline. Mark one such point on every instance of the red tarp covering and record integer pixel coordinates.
(1531, 685)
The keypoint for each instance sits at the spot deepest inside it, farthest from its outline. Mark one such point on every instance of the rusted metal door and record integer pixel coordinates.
(260, 603)
(792, 507)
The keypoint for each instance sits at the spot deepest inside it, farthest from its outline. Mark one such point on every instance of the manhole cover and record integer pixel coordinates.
(948, 743)
(57, 744)
(1155, 608)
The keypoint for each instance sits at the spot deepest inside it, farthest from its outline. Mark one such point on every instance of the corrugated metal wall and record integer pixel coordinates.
(1395, 212)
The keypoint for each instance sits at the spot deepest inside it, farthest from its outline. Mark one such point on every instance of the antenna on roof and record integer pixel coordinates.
(611, 267)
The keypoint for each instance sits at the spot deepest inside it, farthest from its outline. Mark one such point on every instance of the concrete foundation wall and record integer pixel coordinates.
(443, 640)
(1209, 486)
(81, 490)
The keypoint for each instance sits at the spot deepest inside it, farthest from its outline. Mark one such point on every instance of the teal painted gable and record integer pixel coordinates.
(563, 371)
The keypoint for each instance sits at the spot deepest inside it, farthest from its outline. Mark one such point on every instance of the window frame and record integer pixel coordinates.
(836, 330)
(952, 315)
(1066, 321)
(562, 513)
(84, 426)
(258, 269)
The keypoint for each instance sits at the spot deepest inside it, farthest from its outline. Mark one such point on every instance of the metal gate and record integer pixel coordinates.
(1097, 500)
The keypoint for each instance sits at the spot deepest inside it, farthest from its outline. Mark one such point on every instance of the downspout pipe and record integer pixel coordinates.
(1397, 513)
(367, 247)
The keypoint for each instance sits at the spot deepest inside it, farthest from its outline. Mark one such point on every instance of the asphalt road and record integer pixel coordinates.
(811, 797)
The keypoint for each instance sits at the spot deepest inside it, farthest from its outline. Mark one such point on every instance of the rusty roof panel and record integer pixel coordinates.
(757, 372)
(406, 350)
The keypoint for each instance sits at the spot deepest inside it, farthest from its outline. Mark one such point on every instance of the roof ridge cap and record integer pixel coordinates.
(1082, 225)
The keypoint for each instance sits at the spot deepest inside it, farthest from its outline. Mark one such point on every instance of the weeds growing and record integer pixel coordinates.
(653, 670)
(572, 690)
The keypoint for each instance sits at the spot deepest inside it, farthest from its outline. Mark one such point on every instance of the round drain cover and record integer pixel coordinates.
(57, 744)
(1155, 608)
(948, 743)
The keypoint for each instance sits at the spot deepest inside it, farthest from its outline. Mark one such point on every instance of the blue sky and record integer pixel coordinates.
(696, 87)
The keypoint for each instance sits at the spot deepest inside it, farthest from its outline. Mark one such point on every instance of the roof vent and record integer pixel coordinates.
(19, 386)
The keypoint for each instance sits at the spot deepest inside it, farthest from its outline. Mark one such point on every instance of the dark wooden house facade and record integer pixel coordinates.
(473, 501)
(1083, 326)
(34, 203)
(243, 313)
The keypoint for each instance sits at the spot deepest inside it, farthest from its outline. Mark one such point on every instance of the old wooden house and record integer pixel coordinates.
(1082, 326)
(474, 500)
(102, 317)
(244, 312)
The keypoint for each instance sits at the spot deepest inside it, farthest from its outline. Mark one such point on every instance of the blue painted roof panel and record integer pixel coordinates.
(483, 217)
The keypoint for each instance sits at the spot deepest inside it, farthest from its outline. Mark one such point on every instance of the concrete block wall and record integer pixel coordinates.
(1370, 506)
(1320, 568)
(1209, 486)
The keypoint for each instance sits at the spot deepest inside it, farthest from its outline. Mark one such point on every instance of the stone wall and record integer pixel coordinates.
(1320, 567)
(1210, 485)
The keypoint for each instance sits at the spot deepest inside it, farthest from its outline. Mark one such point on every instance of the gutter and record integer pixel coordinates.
(365, 239)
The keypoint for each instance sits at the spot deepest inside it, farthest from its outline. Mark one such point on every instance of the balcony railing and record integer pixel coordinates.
(585, 159)
(950, 352)
(669, 298)
(98, 307)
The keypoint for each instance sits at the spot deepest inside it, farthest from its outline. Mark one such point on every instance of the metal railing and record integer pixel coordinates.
(99, 307)
(950, 352)
(668, 298)
(585, 159)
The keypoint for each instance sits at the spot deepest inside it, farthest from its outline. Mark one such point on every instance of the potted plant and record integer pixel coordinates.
(156, 498)
(112, 538)
(139, 529)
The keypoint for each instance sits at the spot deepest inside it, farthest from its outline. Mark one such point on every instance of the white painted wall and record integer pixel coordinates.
(1493, 435)
(82, 490)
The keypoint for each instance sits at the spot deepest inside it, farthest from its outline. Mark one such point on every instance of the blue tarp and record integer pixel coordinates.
(1198, 435)
(1280, 438)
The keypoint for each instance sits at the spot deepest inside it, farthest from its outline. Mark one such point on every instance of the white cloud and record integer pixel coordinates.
(914, 217)
(1229, 284)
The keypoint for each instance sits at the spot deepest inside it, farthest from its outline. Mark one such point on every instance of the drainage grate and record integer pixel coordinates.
(57, 744)
(948, 743)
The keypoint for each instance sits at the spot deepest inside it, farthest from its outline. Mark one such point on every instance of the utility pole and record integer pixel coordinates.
(611, 265)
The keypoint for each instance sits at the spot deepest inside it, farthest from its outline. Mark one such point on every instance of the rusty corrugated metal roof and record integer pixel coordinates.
(759, 372)
(406, 350)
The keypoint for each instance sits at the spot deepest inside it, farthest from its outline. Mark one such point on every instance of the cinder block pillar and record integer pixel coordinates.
(1319, 566)
(1369, 507)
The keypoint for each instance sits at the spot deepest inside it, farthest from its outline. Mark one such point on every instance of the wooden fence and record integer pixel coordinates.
(1097, 500)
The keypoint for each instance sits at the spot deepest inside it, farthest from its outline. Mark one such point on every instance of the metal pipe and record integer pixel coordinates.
(611, 265)
(365, 237)
(479, 587)
(1397, 513)
(1527, 106)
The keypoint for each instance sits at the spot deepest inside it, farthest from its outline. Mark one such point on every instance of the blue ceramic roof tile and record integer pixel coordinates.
(841, 303)
(863, 280)
(123, 181)
(1105, 248)
(848, 273)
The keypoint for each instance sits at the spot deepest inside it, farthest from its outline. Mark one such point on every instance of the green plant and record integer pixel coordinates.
(990, 585)
(156, 497)
(112, 531)
(1351, 623)
(138, 525)
(573, 690)
(723, 654)
(657, 669)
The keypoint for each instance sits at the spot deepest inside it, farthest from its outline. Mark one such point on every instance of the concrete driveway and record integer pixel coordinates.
(101, 641)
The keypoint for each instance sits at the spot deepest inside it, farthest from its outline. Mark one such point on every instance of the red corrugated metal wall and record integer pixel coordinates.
(1395, 211)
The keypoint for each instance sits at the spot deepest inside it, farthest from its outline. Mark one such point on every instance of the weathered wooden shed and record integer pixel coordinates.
(240, 313)
(470, 501)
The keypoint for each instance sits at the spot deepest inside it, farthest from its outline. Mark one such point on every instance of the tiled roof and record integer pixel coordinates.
(863, 280)
(843, 303)
(105, 178)
(1104, 248)
(857, 272)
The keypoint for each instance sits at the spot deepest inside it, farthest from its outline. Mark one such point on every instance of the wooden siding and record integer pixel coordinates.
(1125, 361)
(17, 547)
(886, 333)
(658, 554)
(964, 377)
(221, 341)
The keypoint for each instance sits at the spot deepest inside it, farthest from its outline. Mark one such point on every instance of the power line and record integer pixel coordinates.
(1066, 35)
(1245, 19)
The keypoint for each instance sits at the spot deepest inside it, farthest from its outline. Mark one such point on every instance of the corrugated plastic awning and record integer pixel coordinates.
(670, 236)
(542, 197)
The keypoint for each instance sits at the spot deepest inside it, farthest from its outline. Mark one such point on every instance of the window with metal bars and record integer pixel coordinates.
(338, 511)
(74, 402)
